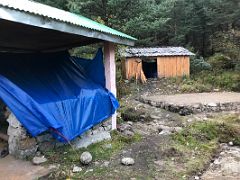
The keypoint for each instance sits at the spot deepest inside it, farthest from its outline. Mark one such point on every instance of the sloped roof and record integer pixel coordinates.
(156, 51)
(40, 15)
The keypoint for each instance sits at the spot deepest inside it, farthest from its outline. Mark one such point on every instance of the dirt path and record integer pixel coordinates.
(226, 166)
(13, 169)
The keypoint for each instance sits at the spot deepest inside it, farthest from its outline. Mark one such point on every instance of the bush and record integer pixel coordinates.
(195, 85)
(198, 64)
(221, 62)
(237, 67)
(227, 80)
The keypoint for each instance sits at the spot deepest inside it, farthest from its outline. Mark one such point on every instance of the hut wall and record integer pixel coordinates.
(173, 66)
(132, 68)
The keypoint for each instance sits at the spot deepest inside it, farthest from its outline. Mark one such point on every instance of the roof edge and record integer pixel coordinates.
(20, 16)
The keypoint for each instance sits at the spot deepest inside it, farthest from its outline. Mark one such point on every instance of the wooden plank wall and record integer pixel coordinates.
(173, 66)
(132, 68)
(168, 66)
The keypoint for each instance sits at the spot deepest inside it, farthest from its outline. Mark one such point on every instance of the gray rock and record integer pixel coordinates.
(76, 169)
(130, 123)
(86, 158)
(154, 117)
(39, 160)
(212, 104)
(88, 139)
(127, 161)
(196, 178)
(128, 133)
(105, 164)
(165, 132)
(230, 143)
(12, 120)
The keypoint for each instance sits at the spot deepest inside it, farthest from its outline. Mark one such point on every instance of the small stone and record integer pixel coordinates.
(76, 169)
(86, 158)
(205, 118)
(230, 143)
(96, 163)
(130, 123)
(39, 160)
(212, 104)
(128, 133)
(196, 178)
(89, 170)
(142, 116)
(127, 161)
(106, 164)
(154, 117)
(217, 162)
(165, 132)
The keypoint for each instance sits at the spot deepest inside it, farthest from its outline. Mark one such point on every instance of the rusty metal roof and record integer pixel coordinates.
(16, 10)
(155, 52)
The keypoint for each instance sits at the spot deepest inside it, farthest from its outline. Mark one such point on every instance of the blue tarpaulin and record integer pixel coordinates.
(54, 91)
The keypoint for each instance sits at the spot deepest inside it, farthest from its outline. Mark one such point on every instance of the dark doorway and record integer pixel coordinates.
(150, 68)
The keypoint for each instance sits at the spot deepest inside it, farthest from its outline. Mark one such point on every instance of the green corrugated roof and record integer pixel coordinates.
(60, 15)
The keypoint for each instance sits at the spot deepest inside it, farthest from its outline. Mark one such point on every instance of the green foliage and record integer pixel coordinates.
(67, 156)
(206, 81)
(237, 67)
(198, 64)
(222, 129)
(207, 26)
(195, 86)
(228, 80)
(220, 62)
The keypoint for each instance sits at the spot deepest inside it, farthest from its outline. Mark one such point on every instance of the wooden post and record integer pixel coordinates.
(110, 74)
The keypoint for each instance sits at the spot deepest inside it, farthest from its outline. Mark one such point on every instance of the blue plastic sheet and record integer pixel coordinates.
(56, 92)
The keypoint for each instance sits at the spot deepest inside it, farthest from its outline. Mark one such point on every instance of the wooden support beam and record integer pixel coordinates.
(110, 74)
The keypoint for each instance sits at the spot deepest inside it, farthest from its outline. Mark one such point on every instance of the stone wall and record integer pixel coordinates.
(193, 109)
(22, 145)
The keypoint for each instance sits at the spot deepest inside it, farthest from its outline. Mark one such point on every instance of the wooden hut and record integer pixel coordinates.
(142, 63)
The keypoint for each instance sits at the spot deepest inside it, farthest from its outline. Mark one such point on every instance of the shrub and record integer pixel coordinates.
(220, 62)
(237, 67)
(198, 64)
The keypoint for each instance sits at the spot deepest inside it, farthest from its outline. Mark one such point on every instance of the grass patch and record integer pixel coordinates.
(66, 156)
(199, 142)
(207, 81)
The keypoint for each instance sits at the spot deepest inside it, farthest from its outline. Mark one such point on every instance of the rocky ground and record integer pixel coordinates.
(154, 143)
(148, 147)
(226, 165)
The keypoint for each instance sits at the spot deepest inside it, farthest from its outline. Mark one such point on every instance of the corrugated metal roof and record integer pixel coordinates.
(60, 15)
(156, 51)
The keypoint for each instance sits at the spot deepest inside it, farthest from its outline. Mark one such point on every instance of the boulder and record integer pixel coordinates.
(127, 161)
(39, 160)
(86, 158)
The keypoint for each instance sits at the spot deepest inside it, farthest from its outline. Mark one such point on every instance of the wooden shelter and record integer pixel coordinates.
(30, 27)
(143, 63)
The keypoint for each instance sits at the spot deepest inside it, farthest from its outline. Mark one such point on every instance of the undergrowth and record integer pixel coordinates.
(199, 142)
